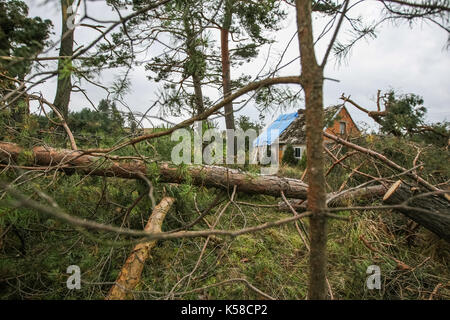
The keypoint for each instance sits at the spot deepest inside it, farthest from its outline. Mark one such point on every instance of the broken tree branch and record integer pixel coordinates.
(130, 275)
(383, 159)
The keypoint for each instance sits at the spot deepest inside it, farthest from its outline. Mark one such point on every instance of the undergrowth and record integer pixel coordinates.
(35, 250)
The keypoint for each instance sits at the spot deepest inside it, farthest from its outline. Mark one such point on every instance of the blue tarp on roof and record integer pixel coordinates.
(275, 129)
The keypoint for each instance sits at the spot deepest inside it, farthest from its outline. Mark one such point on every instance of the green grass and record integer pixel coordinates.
(273, 260)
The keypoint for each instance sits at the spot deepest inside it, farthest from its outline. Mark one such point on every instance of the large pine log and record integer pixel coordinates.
(437, 217)
(131, 272)
(201, 175)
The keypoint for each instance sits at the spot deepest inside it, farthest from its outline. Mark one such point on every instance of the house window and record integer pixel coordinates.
(298, 152)
(343, 128)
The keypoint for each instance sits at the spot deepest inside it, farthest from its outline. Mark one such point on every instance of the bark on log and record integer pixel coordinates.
(208, 176)
(131, 272)
(437, 221)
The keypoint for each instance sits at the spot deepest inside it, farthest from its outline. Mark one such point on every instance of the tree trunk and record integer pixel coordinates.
(437, 220)
(200, 108)
(191, 50)
(131, 272)
(64, 86)
(312, 76)
(226, 66)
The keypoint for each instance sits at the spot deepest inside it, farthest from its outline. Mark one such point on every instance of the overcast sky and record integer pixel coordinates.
(409, 60)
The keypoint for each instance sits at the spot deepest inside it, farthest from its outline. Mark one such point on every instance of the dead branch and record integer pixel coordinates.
(220, 177)
(204, 115)
(130, 275)
(400, 265)
(56, 212)
(383, 159)
(378, 115)
(338, 199)
(60, 117)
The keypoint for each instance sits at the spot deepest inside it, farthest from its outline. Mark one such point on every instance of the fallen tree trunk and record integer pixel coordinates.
(437, 219)
(130, 275)
(200, 175)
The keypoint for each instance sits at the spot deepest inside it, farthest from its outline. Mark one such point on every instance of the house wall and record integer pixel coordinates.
(343, 116)
(280, 152)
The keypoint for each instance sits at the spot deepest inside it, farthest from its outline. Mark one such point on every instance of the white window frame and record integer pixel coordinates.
(301, 152)
(344, 125)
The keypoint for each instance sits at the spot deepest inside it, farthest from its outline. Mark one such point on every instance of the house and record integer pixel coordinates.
(291, 129)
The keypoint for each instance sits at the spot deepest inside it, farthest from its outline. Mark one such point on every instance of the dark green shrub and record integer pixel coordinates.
(288, 156)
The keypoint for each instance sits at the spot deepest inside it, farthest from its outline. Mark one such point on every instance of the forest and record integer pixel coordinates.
(105, 195)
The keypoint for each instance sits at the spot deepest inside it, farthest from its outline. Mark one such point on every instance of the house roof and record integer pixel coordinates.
(292, 127)
(272, 132)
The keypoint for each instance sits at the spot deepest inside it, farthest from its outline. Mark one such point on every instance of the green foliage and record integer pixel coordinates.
(437, 134)
(132, 123)
(289, 156)
(257, 17)
(20, 36)
(244, 123)
(402, 151)
(273, 260)
(326, 6)
(404, 113)
(21, 39)
(35, 249)
(191, 57)
(106, 120)
(302, 162)
(277, 99)
(290, 171)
